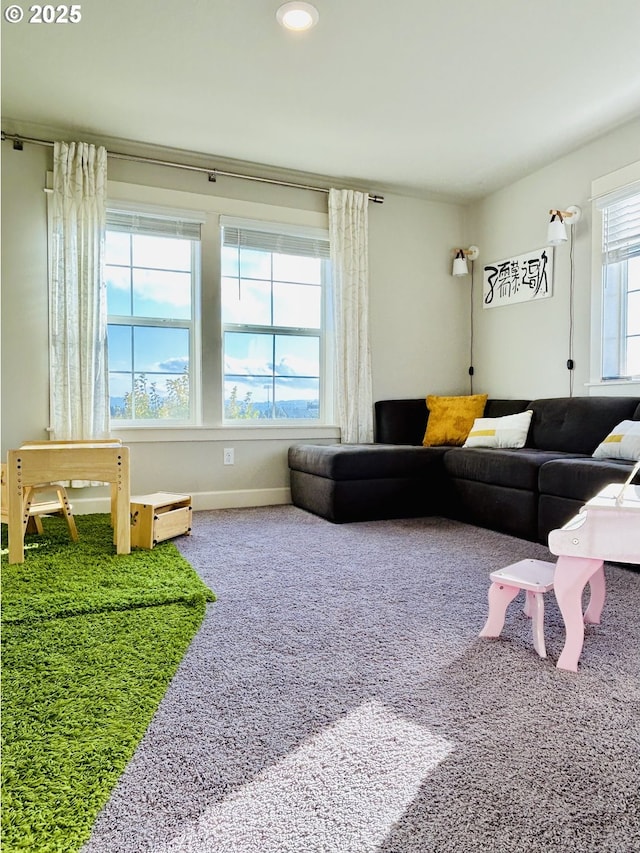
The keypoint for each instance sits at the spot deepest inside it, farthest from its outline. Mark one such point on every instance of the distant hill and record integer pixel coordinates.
(286, 409)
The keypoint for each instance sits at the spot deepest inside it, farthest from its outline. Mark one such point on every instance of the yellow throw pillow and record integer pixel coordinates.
(451, 418)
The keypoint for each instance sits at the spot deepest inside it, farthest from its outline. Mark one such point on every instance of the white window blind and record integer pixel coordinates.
(301, 241)
(153, 225)
(620, 227)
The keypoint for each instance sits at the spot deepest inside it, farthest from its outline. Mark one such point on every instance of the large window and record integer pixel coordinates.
(620, 285)
(151, 272)
(273, 304)
(215, 320)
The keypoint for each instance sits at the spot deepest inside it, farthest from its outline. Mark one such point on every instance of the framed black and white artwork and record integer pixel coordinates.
(519, 279)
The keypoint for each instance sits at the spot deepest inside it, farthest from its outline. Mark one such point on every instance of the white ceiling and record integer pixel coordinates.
(453, 98)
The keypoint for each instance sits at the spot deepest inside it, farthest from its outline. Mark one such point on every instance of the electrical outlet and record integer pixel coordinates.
(229, 456)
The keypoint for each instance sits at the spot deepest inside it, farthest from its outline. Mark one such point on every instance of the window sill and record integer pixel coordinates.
(615, 387)
(266, 432)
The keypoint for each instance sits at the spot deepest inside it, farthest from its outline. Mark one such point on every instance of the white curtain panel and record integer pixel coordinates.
(77, 294)
(349, 242)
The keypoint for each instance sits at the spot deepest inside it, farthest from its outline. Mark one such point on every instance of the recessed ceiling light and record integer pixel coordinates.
(297, 16)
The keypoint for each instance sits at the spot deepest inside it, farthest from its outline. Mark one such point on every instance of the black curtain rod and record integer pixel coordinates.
(18, 142)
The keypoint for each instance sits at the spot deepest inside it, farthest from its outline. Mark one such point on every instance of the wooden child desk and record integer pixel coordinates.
(46, 462)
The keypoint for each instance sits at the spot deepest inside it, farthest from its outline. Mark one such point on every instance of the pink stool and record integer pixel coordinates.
(536, 578)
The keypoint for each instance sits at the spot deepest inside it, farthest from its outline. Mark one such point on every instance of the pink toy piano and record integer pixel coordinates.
(606, 528)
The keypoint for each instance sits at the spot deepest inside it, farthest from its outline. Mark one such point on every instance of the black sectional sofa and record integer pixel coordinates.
(525, 492)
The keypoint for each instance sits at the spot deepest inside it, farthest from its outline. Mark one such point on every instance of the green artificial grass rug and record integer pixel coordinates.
(90, 643)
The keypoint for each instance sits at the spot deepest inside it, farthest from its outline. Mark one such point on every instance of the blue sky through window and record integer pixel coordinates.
(149, 287)
(263, 295)
(271, 308)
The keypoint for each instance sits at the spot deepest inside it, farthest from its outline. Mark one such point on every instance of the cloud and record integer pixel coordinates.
(295, 377)
(165, 288)
(156, 286)
(246, 366)
(174, 365)
(286, 367)
(283, 368)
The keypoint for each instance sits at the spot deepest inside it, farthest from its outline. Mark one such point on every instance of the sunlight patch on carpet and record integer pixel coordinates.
(342, 790)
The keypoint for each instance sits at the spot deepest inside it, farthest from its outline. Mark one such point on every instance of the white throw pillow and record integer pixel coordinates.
(623, 442)
(508, 431)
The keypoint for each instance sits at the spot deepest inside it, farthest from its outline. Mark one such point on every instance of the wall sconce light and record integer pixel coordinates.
(460, 260)
(557, 230)
(460, 268)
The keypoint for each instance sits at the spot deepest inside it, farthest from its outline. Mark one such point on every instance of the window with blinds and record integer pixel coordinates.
(152, 279)
(273, 302)
(621, 284)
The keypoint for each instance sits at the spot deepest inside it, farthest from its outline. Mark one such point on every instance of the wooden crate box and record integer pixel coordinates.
(157, 517)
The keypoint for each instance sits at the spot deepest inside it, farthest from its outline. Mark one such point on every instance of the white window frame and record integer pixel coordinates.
(325, 350)
(627, 178)
(169, 216)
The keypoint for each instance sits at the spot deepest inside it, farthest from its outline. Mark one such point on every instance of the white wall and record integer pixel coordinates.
(25, 360)
(419, 313)
(522, 349)
(419, 327)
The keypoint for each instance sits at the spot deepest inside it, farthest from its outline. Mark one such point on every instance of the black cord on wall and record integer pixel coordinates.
(570, 361)
(471, 335)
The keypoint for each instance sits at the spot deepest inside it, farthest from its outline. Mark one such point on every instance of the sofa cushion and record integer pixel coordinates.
(508, 431)
(517, 469)
(401, 421)
(405, 421)
(576, 424)
(623, 442)
(500, 408)
(451, 418)
(581, 479)
(365, 461)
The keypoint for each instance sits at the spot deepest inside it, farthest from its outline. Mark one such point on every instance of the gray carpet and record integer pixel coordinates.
(338, 698)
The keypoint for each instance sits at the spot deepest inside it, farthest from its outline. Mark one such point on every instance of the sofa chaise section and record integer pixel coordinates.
(353, 482)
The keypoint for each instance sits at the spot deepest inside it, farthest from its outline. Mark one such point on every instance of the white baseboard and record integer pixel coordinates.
(240, 498)
(202, 500)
